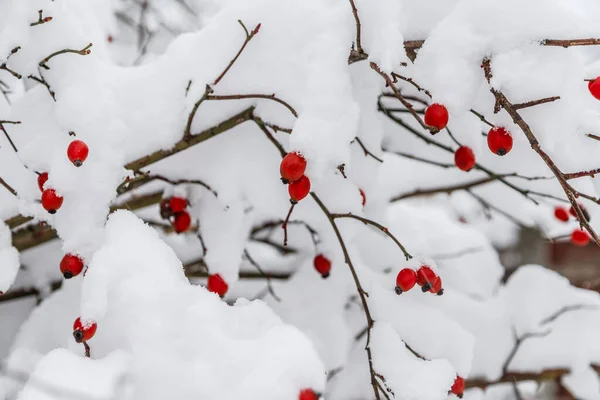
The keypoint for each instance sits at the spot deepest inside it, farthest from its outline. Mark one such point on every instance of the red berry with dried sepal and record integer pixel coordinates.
(182, 221)
(405, 280)
(165, 209)
(500, 141)
(84, 331)
(292, 167)
(217, 284)
(363, 197)
(580, 238)
(584, 211)
(77, 152)
(464, 158)
(51, 201)
(322, 265)
(71, 266)
(41, 180)
(299, 189)
(458, 388)
(178, 204)
(594, 88)
(308, 394)
(437, 288)
(426, 278)
(561, 214)
(436, 115)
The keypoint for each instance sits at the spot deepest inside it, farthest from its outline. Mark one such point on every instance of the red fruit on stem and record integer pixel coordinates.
(177, 204)
(436, 115)
(182, 221)
(299, 189)
(561, 214)
(84, 331)
(77, 152)
(436, 288)
(405, 280)
(580, 238)
(594, 88)
(51, 201)
(71, 266)
(458, 387)
(41, 179)
(426, 278)
(322, 265)
(584, 211)
(363, 196)
(292, 167)
(308, 394)
(217, 285)
(499, 140)
(464, 158)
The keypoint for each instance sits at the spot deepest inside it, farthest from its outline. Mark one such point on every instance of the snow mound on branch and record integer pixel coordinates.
(136, 290)
(9, 259)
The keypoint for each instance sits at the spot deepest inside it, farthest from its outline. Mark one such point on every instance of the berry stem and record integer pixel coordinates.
(87, 349)
(285, 224)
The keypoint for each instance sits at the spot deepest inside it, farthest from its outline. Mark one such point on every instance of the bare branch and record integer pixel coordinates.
(253, 96)
(535, 102)
(83, 52)
(367, 152)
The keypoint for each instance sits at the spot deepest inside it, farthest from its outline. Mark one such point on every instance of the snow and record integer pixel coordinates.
(9, 259)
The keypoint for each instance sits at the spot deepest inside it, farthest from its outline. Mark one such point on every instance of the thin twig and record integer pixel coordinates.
(12, 144)
(41, 19)
(285, 225)
(260, 270)
(8, 187)
(83, 52)
(253, 96)
(359, 48)
(249, 36)
(519, 106)
(367, 152)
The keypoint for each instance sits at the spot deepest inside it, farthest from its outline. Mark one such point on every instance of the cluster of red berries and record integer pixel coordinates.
(174, 210)
(579, 237)
(322, 265)
(425, 277)
(217, 284)
(308, 394)
(292, 170)
(77, 152)
(82, 332)
(499, 140)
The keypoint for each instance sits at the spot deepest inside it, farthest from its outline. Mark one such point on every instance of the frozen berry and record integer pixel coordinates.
(436, 288)
(299, 189)
(51, 201)
(71, 266)
(217, 285)
(177, 204)
(458, 387)
(292, 167)
(580, 238)
(405, 280)
(83, 331)
(436, 115)
(499, 140)
(182, 221)
(426, 278)
(308, 394)
(584, 211)
(363, 197)
(464, 158)
(561, 214)
(77, 152)
(594, 87)
(322, 265)
(41, 179)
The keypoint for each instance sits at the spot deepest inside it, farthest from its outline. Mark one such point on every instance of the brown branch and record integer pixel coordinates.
(8, 187)
(262, 273)
(482, 118)
(580, 174)
(592, 136)
(570, 43)
(4, 67)
(365, 150)
(261, 124)
(377, 225)
(488, 206)
(187, 133)
(535, 102)
(41, 19)
(566, 309)
(83, 52)
(249, 36)
(12, 144)
(285, 225)
(412, 82)
(87, 349)
(444, 189)
(278, 128)
(253, 96)
(424, 160)
(359, 49)
(45, 83)
(144, 178)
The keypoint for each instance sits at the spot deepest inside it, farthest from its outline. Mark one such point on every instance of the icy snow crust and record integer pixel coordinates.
(160, 337)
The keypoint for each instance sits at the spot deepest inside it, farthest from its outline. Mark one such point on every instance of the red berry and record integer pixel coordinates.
(217, 285)
(436, 115)
(464, 158)
(426, 278)
(51, 201)
(308, 394)
(71, 266)
(182, 221)
(561, 214)
(584, 211)
(292, 167)
(580, 238)
(42, 178)
(322, 265)
(364, 197)
(406, 280)
(77, 152)
(594, 87)
(499, 140)
(177, 204)
(436, 288)
(299, 189)
(82, 332)
(458, 387)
